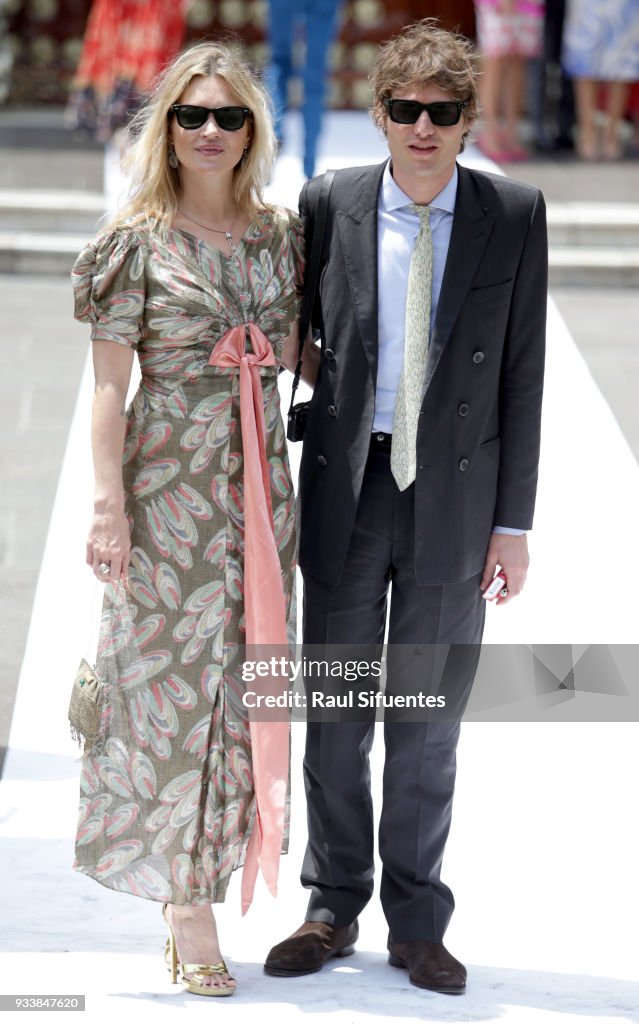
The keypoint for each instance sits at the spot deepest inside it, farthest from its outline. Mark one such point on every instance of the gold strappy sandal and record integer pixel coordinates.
(197, 972)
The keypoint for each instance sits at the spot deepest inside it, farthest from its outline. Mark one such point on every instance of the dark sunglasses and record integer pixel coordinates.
(229, 119)
(442, 114)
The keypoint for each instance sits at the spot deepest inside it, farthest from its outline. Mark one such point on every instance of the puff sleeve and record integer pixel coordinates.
(109, 287)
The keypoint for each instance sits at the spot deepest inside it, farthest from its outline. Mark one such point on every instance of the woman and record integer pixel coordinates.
(193, 529)
(509, 33)
(601, 52)
(126, 45)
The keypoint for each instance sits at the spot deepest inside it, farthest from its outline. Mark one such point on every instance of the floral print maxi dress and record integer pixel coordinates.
(167, 798)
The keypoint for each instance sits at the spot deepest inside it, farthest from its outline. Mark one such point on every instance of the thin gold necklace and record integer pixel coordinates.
(218, 231)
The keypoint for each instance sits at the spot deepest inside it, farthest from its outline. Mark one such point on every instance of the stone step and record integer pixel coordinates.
(24, 210)
(31, 252)
(593, 224)
(593, 266)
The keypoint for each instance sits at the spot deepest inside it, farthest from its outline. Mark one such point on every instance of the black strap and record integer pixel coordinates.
(311, 279)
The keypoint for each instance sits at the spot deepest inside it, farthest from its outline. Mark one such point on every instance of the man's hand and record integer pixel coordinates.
(511, 553)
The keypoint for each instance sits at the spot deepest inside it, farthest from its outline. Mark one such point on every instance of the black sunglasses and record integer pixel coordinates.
(443, 114)
(229, 119)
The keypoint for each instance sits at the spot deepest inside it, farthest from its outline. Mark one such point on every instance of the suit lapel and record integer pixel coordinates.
(358, 235)
(472, 226)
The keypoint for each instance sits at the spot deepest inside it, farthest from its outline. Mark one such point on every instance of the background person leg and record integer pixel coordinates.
(282, 15)
(321, 24)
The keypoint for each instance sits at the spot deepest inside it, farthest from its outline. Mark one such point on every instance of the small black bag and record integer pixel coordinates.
(297, 415)
(296, 421)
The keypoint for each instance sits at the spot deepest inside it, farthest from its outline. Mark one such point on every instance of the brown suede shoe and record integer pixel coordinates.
(307, 950)
(429, 965)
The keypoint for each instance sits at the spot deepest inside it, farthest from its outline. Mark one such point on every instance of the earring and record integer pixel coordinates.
(173, 160)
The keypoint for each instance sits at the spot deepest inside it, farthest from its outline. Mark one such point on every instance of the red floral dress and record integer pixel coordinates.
(126, 45)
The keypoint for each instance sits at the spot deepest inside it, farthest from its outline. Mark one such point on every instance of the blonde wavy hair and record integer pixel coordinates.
(425, 53)
(155, 185)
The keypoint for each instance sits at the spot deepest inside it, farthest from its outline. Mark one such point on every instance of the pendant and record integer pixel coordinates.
(229, 239)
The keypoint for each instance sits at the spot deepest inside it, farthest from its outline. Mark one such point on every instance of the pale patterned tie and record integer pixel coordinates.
(409, 393)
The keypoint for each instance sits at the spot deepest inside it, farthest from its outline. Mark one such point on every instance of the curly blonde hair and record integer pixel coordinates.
(424, 53)
(155, 184)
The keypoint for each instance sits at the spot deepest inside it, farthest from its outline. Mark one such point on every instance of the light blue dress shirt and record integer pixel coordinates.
(397, 227)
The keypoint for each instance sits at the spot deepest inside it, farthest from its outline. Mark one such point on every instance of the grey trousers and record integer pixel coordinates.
(419, 767)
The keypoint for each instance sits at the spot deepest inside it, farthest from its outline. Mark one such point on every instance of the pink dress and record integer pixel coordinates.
(517, 32)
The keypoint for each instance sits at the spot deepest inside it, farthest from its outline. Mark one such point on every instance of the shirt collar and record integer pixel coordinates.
(392, 197)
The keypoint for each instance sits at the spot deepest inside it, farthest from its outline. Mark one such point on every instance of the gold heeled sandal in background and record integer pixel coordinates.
(197, 972)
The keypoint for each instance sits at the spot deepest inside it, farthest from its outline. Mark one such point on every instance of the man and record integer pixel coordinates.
(419, 470)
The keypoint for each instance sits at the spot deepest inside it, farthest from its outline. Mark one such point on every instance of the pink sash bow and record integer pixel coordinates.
(264, 603)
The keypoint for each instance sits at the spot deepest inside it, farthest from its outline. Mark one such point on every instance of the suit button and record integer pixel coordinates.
(322, 460)
(464, 409)
(332, 411)
(463, 465)
(329, 354)
(478, 357)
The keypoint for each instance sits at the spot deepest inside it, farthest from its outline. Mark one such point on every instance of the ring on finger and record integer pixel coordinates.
(104, 568)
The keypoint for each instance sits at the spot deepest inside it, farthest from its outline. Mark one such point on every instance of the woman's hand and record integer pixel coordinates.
(109, 543)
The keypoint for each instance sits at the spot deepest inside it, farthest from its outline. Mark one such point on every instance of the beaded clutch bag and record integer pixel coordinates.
(84, 706)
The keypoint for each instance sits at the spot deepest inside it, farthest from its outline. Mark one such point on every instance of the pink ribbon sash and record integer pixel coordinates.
(265, 607)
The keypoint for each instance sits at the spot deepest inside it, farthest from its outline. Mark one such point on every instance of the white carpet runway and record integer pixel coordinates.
(543, 851)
